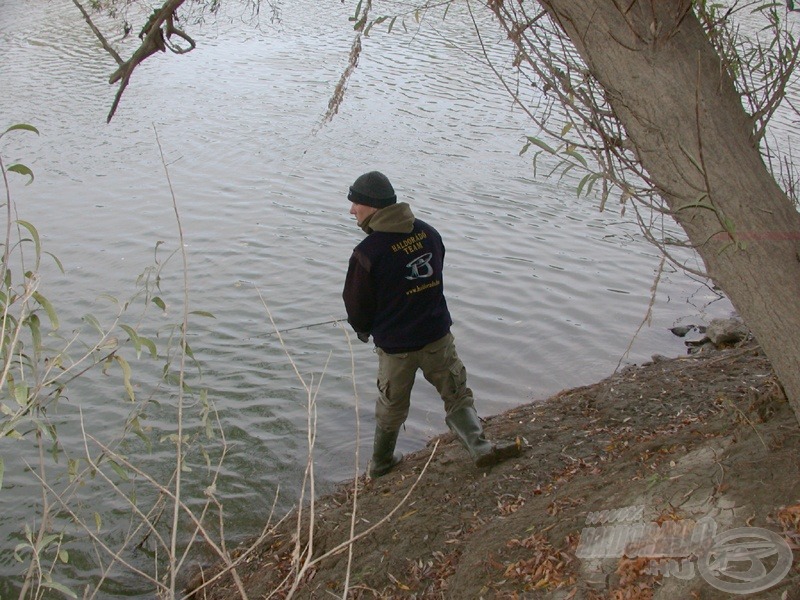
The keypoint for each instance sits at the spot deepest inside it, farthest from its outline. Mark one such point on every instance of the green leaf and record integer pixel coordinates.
(159, 303)
(540, 144)
(126, 376)
(604, 198)
(136, 427)
(47, 430)
(119, 471)
(137, 344)
(577, 157)
(98, 521)
(150, 346)
(22, 170)
(566, 170)
(51, 312)
(768, 6)
(46, 541)
(17, 548)
(63, 556)
(21, 395)
(36, 335)
(58, 262)
(534, 161)
(587, 179)
(377, 21)
(93, 322)
(59, 587)
(72, 469)
(203, 313)
(366, 30)
(34, 234)
(23, 126)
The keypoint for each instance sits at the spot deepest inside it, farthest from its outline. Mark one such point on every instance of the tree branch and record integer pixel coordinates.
(153, 41)
(97, 32)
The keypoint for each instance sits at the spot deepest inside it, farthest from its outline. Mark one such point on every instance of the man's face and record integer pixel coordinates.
(362, 211)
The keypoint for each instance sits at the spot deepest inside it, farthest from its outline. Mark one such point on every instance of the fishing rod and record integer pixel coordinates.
(332, 321)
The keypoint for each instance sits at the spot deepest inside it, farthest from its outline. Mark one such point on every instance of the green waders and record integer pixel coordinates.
(384, 458)
(464, 422)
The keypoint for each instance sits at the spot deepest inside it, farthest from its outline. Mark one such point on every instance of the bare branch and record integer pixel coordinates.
(154, 39)
(108, 48)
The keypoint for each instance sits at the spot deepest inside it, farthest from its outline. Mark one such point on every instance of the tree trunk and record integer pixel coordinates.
(684, 117)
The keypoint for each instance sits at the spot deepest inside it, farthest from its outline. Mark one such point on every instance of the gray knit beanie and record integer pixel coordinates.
(372, 189)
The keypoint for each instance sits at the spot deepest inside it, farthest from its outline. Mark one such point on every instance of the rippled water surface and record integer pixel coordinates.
(546, 292)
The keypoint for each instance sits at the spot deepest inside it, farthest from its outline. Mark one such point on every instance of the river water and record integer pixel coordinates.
(547, 293)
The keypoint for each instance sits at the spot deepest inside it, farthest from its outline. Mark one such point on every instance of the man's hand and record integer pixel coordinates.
(364, 337)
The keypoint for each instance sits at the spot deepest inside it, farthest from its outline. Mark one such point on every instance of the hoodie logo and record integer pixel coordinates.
(420, 267)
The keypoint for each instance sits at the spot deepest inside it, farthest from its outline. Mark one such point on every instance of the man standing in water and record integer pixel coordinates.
(394, 292)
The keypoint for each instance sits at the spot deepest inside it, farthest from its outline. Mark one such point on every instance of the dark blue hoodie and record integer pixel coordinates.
(394, 288)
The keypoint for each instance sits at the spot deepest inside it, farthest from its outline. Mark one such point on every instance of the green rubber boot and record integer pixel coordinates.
(384, 458)
(464, 422)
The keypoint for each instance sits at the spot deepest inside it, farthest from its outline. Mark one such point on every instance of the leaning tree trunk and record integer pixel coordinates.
(683, 115)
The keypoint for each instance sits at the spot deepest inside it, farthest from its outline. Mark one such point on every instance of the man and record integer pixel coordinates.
(394, 292)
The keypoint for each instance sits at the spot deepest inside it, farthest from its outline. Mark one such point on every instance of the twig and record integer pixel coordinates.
(179, 454)
(35, 565)
(152, 42)
(244, 555)
(95, 538)
(210, 494)
(648, 314)
(181, 374)
(308, 476)
(749, 422)
(7, 247)
(357, 468)
(336, 550)
(736, 354)
(97, 33)
(169, 494)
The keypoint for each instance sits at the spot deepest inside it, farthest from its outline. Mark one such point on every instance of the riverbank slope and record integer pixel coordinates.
(672, 441)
